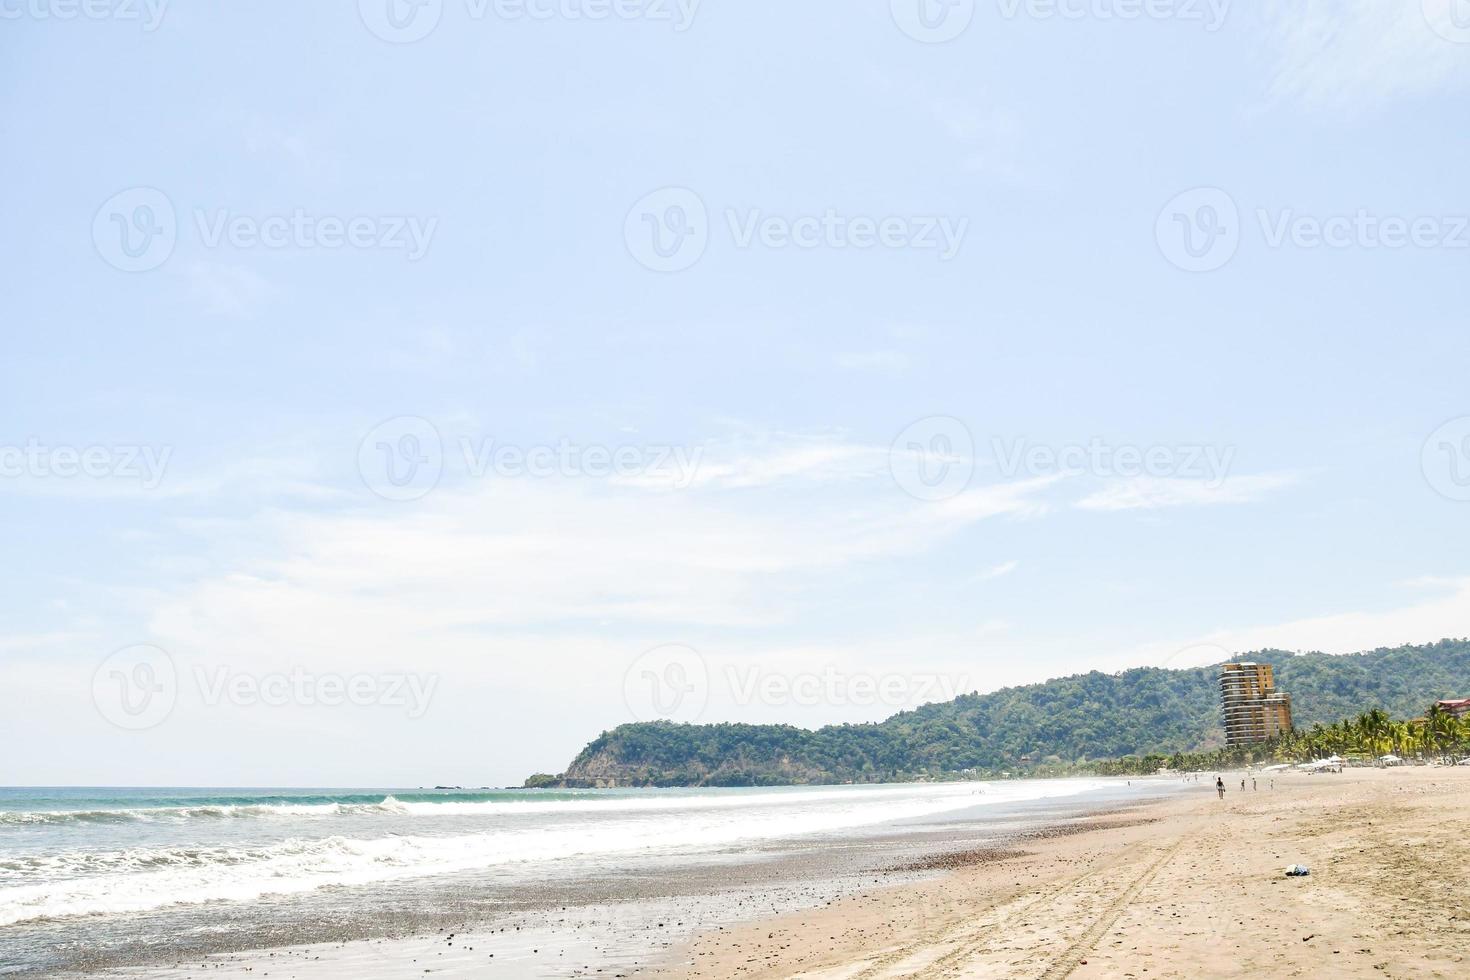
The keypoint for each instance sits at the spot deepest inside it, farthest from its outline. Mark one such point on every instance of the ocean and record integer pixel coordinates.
(92, 877)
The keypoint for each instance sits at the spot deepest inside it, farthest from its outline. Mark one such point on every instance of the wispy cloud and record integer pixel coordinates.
(874, 360)
(553, 554)
(1442, 610)
(764, 461)
(1153, 493)
(226, 289)
(999, 571)
(1351, 54)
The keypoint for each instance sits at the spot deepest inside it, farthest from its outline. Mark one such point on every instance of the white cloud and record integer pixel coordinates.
(1446, 613)
(785, 460)
(1152, 493)
(466, 566)
(1348, 54)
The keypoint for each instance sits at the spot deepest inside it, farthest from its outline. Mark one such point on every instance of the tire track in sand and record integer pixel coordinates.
(1071, 958)
(950, 930)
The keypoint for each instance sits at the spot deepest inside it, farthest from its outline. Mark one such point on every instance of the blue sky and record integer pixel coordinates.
(380, 258)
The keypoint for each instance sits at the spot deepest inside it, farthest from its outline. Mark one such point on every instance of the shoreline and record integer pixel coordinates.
(621, 921)
(1190, 887)
(1170, 883)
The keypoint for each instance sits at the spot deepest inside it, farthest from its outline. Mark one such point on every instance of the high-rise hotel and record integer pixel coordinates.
(1253, 709)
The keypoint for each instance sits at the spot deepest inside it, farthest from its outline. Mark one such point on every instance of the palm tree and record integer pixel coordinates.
(1440, 728)
(1375, 730)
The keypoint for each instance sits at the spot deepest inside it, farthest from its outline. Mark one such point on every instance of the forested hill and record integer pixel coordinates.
(1070, 719)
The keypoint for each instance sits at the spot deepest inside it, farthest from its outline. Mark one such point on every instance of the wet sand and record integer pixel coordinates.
(1188, 887)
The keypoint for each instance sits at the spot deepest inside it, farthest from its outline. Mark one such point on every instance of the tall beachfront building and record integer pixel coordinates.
(1252, 707)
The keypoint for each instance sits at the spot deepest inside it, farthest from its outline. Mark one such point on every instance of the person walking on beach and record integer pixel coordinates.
(1220, 786)
(1253, 784)
(1242, 785)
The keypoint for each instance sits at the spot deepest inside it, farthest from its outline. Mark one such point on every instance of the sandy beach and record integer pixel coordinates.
(472, 883)
(1188, 887)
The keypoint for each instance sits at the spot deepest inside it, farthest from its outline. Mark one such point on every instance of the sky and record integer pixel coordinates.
(402, 394)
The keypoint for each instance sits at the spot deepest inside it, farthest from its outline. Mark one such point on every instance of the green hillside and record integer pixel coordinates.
(1069, 719)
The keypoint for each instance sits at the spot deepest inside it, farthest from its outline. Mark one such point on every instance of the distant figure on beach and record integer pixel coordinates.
(1242, 784)
(1220, 786)
(1253, 784)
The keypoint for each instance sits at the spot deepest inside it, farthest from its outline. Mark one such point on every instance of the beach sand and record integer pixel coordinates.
(1189, 887)
(1183, 886)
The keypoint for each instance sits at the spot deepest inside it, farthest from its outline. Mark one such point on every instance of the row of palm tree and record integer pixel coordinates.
(1369, 736)
(1374, 734)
